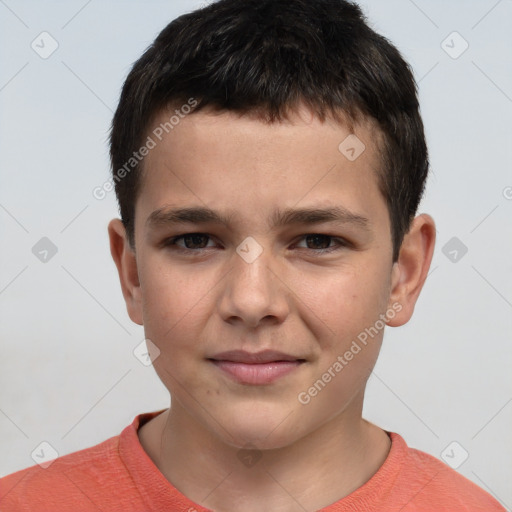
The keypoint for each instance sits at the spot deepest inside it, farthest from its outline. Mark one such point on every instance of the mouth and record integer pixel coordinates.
(257, 368)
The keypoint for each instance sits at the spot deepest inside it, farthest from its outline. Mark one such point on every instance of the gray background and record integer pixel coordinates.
(67, 372)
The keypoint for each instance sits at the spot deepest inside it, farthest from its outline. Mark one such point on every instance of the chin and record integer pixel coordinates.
(264, 428)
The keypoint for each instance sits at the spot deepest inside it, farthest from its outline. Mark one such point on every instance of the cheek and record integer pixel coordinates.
(346, 301)
(349, 304)
(171, 305)
(171, 300)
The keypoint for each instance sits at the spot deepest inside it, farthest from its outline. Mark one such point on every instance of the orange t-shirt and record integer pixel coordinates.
(118, 476)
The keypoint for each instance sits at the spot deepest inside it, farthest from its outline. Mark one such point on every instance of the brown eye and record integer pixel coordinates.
(191, 241)
(318, 241)
(321, 243)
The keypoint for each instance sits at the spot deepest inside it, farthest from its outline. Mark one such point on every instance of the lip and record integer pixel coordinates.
(264, 356)
(256, 368)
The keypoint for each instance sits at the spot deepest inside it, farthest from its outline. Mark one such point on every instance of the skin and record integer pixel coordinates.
(291, 298)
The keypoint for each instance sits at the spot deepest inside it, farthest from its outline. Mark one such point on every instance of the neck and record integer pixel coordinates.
(311, 473)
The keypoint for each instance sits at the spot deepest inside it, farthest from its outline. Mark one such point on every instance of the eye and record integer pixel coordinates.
(191, 241)
(196, 242)
(318, 239)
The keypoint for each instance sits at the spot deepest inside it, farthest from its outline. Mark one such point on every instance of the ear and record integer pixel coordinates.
(411, 269)
(126, 263)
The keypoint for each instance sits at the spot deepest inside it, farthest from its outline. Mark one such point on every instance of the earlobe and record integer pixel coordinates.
(410, 271)
(126, 263)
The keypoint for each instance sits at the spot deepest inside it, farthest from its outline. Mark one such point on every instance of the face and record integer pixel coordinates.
(301, 267)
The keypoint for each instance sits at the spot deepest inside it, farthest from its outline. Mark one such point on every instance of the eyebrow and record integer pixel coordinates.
(290, 216)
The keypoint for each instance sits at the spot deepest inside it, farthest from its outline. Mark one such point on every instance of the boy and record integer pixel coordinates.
(268, 159)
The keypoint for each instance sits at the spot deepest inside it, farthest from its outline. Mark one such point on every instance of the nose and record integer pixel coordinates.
(253, 293)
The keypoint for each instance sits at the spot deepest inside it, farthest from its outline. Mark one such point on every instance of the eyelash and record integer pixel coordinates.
(340, 241)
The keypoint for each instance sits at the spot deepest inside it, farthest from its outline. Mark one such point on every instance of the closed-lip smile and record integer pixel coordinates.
(264, 356)
(256, 368)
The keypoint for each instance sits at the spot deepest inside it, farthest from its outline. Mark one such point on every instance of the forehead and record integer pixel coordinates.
(241, 163)
(177, 125)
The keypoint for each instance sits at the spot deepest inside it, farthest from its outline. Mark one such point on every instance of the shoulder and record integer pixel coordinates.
(70, 482)
(432, 484)
(96, 478)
